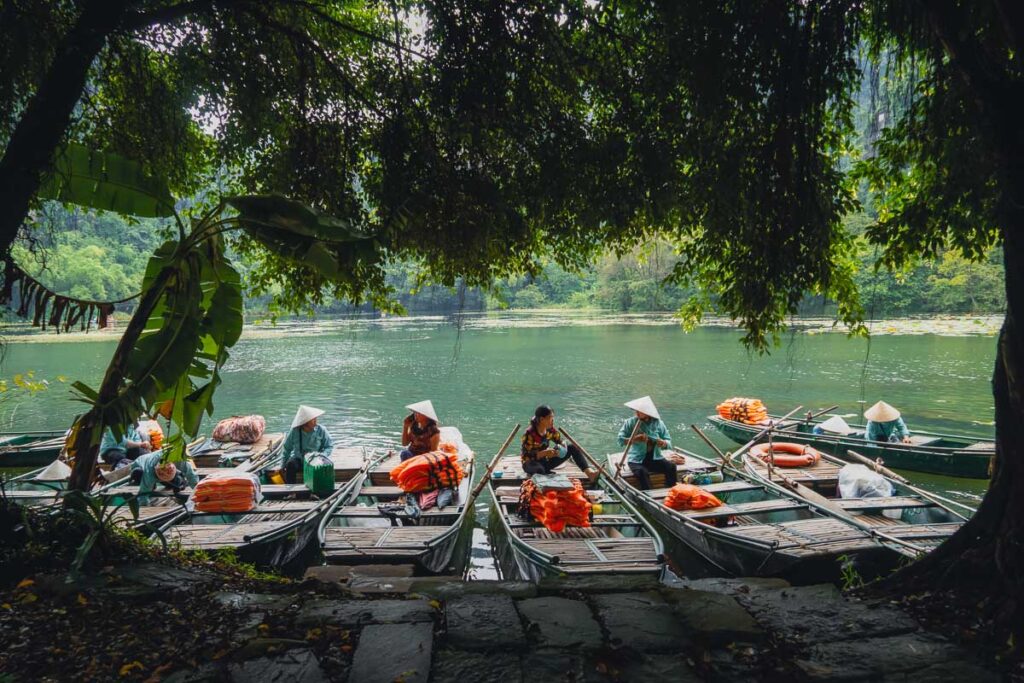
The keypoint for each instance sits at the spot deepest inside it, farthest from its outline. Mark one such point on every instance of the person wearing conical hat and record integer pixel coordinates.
(149, 471)
(885, 424)
(306, 436)
(646, 449)
(420, 433)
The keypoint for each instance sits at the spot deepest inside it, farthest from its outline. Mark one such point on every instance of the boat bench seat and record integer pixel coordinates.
(881, 503)
(752, 508)
(283, 489)
(133, 489)
(364, 511)
(381, 491)
(719, 487)
(917, 440)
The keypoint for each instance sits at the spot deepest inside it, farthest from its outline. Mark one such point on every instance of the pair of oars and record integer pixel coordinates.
(728, 457)
(877, 466)
(812, 496)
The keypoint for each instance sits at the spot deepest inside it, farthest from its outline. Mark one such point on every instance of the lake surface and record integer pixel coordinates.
(493, 371)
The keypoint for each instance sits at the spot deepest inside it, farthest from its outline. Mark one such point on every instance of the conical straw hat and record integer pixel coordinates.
(644, 405)
(424, 408)
(836, 425)
(55, 471)
(881, 412)
(304, 415)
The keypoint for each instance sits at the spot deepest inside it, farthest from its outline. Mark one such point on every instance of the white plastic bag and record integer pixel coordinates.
(857, 481)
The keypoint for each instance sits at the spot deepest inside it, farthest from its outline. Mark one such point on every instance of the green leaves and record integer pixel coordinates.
(300, 234)
(106, 181)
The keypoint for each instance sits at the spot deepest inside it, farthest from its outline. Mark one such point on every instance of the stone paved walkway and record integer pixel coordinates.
(384, 629)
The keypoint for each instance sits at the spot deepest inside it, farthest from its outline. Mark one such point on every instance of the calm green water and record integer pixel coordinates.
(500, 367)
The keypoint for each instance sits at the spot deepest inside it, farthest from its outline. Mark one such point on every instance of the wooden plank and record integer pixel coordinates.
(381, 491)
(751, 508)
(363, 511)
(881, 503)
(716, 488)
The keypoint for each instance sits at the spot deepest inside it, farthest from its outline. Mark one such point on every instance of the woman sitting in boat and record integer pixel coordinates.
(148, 471)
(420, 433)
(119, 452)
(306, 436)
(542, 449)
(645, 448)
(885, 424)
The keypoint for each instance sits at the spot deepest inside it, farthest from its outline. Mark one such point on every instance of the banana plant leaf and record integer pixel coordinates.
(103, 180)
(281, 214)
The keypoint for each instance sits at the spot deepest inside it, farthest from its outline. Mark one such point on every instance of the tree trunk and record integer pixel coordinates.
(30, 151)
(986, 556)
(88, 429)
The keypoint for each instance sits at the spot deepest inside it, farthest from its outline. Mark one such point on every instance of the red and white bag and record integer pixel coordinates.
(243, 429)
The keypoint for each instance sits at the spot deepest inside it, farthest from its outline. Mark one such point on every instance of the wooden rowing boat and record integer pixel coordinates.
(955, 455)
(30, 449)
(355, 531)
(909, 517)
(619, 540)
(761, 529)
(273, 534)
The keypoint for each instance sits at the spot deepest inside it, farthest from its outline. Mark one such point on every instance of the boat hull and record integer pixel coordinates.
(30, 450)
(733, 557)
(945, 461)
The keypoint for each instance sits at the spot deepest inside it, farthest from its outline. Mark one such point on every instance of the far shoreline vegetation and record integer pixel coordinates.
(97, 256)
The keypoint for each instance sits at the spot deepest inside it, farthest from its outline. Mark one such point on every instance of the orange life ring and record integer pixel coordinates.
(785, 454)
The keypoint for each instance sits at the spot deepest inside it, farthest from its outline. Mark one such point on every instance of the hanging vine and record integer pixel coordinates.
(27, 297)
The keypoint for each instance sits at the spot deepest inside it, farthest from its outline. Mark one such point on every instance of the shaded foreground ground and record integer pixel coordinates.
(154, 622)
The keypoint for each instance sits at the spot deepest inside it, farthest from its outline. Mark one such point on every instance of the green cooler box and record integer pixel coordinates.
(318, 474)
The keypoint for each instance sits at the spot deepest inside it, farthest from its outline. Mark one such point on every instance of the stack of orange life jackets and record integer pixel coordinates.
(690, 497)
(746, 410)
(556, 509)
(227, 493)
(435, 470)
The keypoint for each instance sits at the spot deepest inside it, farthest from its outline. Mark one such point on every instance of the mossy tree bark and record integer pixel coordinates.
(41, 128)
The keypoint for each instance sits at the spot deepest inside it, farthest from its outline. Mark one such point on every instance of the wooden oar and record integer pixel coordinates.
(490, 468)
(810, 416)
(726, 460)
(629, 444)
(877, 466)
(771, 426)
(812, 496)
(587, 455)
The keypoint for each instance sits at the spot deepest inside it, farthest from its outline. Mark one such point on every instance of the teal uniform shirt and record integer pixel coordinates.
(654, 429)
(147, 462)
(110, 443)
(884, 431)
(298, 443)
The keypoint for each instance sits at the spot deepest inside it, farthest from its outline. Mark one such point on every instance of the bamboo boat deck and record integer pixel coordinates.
(147, 513)
(354, 542)
(806, 537)
(236, 528)
(244, 452)
(822, 476)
